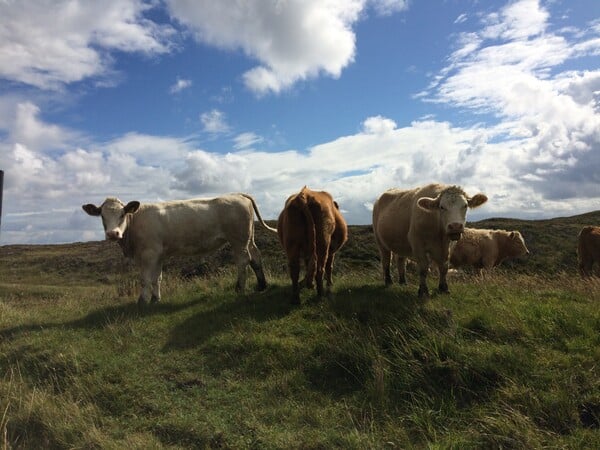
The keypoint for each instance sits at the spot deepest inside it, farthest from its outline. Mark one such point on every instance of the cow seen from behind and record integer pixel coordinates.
(420, 223)
(311, 229)
(150, 232)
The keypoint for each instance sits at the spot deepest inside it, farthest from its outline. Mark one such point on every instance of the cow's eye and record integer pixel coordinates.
(443, 208)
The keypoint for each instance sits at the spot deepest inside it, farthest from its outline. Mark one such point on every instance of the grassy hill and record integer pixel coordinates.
(505, 361)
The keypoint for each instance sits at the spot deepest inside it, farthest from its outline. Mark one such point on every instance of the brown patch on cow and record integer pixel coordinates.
(311, 229)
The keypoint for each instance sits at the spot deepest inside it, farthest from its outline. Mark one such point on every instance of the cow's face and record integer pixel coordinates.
(517, 244)
(114, 216)
(452, 205)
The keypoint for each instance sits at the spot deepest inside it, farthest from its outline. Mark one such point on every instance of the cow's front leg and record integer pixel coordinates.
(150, 274)
(386, 258)
(401, 265)
(156, 286)
(423, 262)
(443, 283)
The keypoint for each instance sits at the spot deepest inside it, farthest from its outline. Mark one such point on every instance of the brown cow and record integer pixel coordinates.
(485, 249)
(588, 249)
(311, 227)
(420, 223)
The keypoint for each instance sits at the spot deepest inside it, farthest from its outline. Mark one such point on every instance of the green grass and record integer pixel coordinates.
(509, 360)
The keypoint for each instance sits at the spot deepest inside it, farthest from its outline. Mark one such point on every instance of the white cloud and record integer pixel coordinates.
(214, 122)
(388, 7)
(378, 125)
(180, 85)
(245, 140)
(293, 40)
(512, 69)
(49, 44)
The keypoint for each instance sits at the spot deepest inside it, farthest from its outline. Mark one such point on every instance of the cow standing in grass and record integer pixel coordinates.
(311, 228)
(486, 249)
(588, 249)
(420, 223)
(150, 232)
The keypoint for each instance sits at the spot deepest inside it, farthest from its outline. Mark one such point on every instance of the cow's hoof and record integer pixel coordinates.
(423, 293)
(141, 302)
(155, 299)
(295, 299)
(261, 286)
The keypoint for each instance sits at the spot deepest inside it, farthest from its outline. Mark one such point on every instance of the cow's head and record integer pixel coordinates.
(517, 244)
(452, 204)
(114, 216)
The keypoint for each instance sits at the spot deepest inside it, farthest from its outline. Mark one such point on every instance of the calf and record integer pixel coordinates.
(311, 227)
(588, 249)
(150, 232)
(485, 249)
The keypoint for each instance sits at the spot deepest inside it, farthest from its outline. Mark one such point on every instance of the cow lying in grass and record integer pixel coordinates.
(486, 249)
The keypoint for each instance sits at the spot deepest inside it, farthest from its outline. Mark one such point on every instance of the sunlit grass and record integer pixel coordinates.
(507, 360)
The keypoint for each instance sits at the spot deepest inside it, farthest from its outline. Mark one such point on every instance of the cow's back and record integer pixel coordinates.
(292, 224)
(192, 226)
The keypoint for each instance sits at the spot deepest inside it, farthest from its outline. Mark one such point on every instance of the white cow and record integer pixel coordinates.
(150, 232)
(420, 223)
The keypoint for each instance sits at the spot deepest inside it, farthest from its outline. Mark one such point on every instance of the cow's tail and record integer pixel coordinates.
(301, 202)
(260, 219)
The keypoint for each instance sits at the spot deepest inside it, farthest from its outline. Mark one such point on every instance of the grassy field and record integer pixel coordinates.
(511, 360)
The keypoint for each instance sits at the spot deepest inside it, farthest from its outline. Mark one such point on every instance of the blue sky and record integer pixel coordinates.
(165, 99)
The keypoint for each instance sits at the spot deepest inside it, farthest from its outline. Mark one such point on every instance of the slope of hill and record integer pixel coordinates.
(552, 244)
(505, 361)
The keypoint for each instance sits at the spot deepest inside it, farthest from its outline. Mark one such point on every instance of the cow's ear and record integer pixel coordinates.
(92, 210)
(477, 200)
(512, 235)
(429, 203)
(132, 207)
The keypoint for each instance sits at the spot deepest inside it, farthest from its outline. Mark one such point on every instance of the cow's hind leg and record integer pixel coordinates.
(329, 270)
(257, 267)
(294, 266)
(242, 258)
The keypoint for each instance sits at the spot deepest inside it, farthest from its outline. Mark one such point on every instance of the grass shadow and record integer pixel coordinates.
(261, 307)
(103, 317)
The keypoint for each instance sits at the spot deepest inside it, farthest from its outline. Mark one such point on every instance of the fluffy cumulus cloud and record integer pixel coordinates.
(293, 40)
(48, 44)
(548, 118)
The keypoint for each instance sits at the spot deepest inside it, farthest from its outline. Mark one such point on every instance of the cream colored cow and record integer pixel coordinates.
(485, 249)
(420, 223)
(150, 232)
